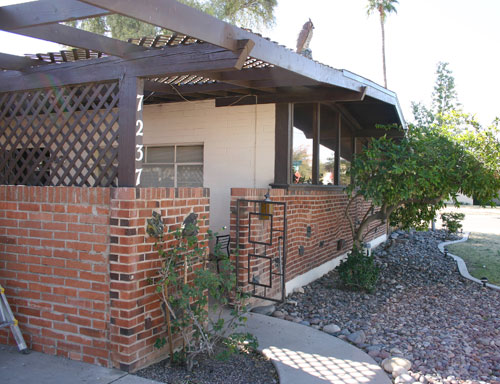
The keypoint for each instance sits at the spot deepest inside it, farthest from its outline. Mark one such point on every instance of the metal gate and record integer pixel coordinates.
(261, 228)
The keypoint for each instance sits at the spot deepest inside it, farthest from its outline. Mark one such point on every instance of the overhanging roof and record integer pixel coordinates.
(221, 61)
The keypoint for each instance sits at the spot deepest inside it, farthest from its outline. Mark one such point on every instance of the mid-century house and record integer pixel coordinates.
(208, 119)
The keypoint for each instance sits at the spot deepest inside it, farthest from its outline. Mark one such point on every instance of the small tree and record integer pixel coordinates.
(184, 283)
(406, 181)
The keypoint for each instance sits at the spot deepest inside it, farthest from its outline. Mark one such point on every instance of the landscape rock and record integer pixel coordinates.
(398, 371)
(267, 310)
(357, 337)
(392, 363)
(436, 320)
(404, 379)
(278, 314)
(332, 329)
(298, 290)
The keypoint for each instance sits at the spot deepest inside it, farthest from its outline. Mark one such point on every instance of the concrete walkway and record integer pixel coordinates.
(40, 368)
(301, 355)
(304, 355)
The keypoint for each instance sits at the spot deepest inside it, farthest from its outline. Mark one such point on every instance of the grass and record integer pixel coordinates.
(481, 254)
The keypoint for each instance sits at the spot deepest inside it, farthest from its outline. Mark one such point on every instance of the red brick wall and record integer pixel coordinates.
(137, 319)
(75, 264)
(54, 267)
(321, 209)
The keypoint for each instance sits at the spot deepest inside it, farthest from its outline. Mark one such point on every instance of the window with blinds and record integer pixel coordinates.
(173, 166)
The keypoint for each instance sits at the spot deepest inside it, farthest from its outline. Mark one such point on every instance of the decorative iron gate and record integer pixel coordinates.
(261, 228)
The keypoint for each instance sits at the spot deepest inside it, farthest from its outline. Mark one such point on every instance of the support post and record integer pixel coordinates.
(337, 150)
(283, 144)
(316, 132)
(131, 126)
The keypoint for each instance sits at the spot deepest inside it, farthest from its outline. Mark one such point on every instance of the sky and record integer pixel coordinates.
(423, 32)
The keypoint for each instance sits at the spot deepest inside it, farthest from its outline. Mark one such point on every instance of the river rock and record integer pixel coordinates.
(267, 310)
(398, 371)
(357, 337)
(331, 329)
(404, 379)
(390, 364)
(278, 314)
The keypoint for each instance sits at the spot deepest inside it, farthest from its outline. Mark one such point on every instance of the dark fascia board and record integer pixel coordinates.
(181, 18)
(45, 12)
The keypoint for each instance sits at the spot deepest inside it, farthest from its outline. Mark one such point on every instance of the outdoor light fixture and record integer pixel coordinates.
(266, 208)
(484, 280)
(445, 252)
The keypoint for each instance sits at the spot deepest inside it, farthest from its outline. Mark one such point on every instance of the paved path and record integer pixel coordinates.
(304, 355)
(477, 219)
(40, 368)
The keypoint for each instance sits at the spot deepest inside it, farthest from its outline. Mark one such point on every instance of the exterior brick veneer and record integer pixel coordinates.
(321, 209)
(75, 263)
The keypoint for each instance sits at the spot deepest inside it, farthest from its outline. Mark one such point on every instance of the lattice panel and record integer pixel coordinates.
(60, 136)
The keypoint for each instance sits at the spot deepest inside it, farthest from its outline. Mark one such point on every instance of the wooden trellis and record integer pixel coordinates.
(60, 136)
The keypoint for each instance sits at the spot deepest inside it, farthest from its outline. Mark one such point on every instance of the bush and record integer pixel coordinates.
(452, 221)
(358, 271)
(184, 283)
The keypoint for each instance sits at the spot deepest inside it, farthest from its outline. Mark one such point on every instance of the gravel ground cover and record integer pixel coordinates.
(242, 368)
(423, 310)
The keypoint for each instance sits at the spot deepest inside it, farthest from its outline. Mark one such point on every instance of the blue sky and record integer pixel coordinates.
(466, 34)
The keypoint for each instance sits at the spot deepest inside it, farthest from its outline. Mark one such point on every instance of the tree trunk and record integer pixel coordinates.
(383, 49)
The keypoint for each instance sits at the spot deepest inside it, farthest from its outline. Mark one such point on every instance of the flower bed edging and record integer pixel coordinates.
(462, 267)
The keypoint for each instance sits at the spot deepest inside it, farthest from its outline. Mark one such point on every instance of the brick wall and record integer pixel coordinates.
(137, 318)
(54, 267)
(321, 210)
(75, 264)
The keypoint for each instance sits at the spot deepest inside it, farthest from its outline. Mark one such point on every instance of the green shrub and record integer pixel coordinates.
(452, 221)
(184, 283)
(358, 271)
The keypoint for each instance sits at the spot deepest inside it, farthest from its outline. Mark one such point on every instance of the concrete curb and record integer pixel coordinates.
(462, 267)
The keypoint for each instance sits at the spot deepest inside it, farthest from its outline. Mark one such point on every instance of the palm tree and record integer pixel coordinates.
(383, 7)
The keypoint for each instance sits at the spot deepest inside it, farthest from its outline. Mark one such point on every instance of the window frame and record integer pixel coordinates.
(175, 163)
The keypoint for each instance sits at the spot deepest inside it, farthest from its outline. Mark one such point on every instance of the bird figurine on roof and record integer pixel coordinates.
(304, 39)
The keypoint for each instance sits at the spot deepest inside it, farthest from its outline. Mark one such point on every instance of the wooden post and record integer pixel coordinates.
(131, 126)
(337, 150)
(283, 144)
(316, 133)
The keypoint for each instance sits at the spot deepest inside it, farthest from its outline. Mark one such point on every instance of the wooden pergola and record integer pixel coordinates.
(101, 84)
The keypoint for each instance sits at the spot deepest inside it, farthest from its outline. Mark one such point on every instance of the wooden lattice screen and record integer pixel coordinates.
(60, 136)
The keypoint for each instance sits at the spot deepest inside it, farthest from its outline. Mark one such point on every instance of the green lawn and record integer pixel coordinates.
(481, 253)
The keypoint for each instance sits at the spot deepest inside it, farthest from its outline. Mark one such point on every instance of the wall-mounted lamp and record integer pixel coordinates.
(266, 208)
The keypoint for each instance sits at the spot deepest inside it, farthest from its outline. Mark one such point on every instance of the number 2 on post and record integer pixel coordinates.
(139, 147)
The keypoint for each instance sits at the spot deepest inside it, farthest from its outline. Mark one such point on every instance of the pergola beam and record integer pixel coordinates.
(78, 38)
(45, 12)
(168, 61)
(18, 63)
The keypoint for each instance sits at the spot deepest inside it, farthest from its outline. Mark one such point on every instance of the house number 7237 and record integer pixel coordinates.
(139, 147)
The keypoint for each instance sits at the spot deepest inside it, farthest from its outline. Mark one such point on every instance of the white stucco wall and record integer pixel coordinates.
(238, 145)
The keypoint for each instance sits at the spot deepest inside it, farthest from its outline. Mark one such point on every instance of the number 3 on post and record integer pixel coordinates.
(139, 147)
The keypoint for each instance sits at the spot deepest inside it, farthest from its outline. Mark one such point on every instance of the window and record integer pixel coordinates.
(322, 145)
(173, 166)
